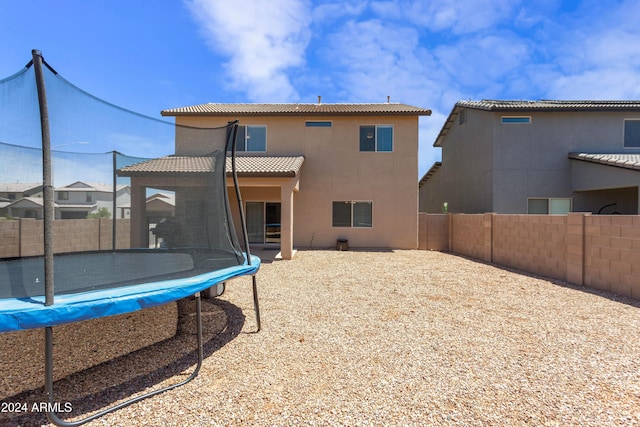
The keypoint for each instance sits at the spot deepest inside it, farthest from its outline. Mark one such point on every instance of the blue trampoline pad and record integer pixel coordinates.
(99, 284)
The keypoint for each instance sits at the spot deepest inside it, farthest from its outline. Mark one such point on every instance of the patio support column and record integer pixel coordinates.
(286, 218)
(138, 223)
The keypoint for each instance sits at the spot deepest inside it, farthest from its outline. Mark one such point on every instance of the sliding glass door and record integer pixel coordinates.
(263, 222)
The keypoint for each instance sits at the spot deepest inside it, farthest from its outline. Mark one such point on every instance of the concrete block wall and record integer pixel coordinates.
(598, 251)
(534, 243)
(23, 237)
(467, 235)
(70, 235)
(612, 253)
(31, 237)
(10, 239)
(433, 231)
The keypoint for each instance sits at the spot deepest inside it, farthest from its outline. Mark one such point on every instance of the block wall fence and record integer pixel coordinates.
(24, 237)
(598, 251)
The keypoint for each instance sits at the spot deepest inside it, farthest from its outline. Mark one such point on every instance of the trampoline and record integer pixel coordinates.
(98, 284)
(200, 247)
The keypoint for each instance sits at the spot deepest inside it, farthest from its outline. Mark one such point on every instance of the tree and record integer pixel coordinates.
(102, 213)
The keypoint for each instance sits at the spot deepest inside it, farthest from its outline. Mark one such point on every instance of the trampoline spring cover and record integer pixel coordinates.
(27, 312)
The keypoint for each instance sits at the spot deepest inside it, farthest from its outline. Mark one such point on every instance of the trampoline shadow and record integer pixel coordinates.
(155, 366)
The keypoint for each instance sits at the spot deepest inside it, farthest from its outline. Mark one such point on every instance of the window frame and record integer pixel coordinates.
(516, 120)
(462, 117)
(549, 201)
(242, 133)
(375, 138)
(624, 133)
(318, 123)
(352, 204)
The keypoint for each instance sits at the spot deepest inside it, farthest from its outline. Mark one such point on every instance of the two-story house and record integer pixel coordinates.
(311, 174)
(73, 201)
(537, 157)
(11, 192)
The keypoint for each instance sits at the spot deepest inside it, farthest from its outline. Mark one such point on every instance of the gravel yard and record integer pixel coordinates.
(358, 338)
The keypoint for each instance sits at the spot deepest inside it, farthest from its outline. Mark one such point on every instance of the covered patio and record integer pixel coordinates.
(606, 183)
(273, 179)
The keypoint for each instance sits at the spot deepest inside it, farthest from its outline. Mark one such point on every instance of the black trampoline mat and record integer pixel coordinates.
(80, 272)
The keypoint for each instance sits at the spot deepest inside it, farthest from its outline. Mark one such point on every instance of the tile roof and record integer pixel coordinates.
(247, 166)
(540, 105)
(20, 187)
(548, 105)
(433, 169)
(627, 161)
(213, 109)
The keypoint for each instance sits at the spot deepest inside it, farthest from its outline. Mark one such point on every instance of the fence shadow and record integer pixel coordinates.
(161, 364)
(582, 288)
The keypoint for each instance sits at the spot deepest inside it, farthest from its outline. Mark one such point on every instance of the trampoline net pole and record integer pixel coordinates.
(47, 185)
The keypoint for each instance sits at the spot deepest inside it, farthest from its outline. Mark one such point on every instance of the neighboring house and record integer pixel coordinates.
(537, 157)
(314, 173)
(159, 208)
(4, 202)
(78, 200)
(14, 191)
(74, 201)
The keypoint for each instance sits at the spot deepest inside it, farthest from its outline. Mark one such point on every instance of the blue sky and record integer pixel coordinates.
(150, 55)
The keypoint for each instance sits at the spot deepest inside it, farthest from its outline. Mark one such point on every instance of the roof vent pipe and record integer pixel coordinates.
(388, 99)
(319, 99)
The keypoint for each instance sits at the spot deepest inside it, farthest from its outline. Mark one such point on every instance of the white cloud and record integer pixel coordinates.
(598, 56)
(263, 40)
(455, 16)
(334, 10)
(373, 59)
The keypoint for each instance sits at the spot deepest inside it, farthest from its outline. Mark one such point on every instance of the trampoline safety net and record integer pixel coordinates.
(119, 219)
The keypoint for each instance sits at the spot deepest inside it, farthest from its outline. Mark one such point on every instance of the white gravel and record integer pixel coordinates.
(359, 338)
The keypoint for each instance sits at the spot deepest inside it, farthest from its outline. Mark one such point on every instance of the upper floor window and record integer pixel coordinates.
(632, 133)
(317, 124)
(516, 119)
(462, 117)
(376, 138)
(89, 197)
(63, 195)
(252, 138)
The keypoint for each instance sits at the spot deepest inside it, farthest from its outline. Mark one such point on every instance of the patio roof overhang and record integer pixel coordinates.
(601, 171)
(246, 166)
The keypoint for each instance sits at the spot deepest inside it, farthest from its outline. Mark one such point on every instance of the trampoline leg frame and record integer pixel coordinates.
(256, 306)
(49, 374)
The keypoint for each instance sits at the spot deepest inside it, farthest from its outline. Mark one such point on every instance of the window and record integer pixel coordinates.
(544, 206)
(251, 138)
(352, 214)
(632, 133)
(462, 117)
(516, 119)
(376, 138)
(88, 197)
(313, 124)
(63, 195)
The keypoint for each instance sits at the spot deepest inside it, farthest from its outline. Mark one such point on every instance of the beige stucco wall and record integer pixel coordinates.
(334, 169)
